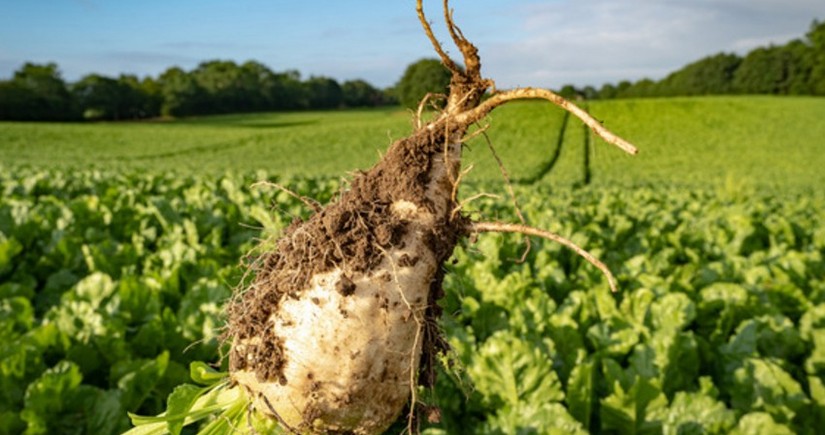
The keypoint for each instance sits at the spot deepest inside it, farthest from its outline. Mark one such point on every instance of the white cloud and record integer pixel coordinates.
(592, 42)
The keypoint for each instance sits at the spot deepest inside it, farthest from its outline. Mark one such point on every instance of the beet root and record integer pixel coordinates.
(339, 328)
(330, 335)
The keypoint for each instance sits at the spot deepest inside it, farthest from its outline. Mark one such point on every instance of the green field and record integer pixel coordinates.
(119, 242)
(753, 141)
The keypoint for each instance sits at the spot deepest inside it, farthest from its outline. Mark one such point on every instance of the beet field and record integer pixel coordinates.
(121, 244)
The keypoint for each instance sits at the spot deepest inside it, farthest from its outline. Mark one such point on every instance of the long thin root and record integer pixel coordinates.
(309, 202)
(500, 98)
(501, 227)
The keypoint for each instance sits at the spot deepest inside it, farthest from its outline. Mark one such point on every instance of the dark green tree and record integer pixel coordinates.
(800, 55)
(420, 78)
(15, 102)
(288, 92)
(37, 92)
(623, 89)
(607, 91)
(643, 88)
(590, 93)
(359, 93)
(816, 60)
(182, 96)
(220, 80)
(255, 86)
(102, 97)
(232, 88)
(712, 75)
(569, 91)
(768, 70)
(147, 94)
(323, 93)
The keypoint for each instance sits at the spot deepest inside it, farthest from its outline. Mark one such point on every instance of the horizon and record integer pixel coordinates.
(375, 42)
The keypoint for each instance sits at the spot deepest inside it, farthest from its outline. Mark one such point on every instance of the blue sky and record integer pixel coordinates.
(522, 42)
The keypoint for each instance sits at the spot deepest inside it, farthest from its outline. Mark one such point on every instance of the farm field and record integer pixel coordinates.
(685, 141)
(120, 242)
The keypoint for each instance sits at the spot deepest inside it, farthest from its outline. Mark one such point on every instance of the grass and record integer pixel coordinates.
(758, 141)
(749, 141)
(312, 143)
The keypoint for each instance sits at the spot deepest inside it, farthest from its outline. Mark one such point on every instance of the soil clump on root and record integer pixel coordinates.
(339, 326)
(352, 234)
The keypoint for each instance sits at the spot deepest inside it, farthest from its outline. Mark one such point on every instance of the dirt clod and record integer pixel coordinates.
(407, 260)
(345, 286)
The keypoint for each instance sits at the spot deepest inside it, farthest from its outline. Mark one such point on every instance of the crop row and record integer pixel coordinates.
(111, 284)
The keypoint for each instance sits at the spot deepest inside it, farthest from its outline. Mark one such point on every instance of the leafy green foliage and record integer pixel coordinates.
(686, 142)
(111, 285)
(220, 408)
(717, 328)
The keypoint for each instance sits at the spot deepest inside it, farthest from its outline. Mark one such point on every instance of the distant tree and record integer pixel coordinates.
(590, 93)
(816, 60)
(800, 55)
(150, 96)
(37, 92)
(182, 96)
(323, 93)
(389, 97)
(623, 88)
(359, 93)
(219, 80)
(707, 76)
(766, 71)
(288, 92)
(14, 101)
(569, 91)
(256, 86)
(607, 91)
(102, 97)
(126, 97)
(232, 88)
(643, 88)
(420, 78)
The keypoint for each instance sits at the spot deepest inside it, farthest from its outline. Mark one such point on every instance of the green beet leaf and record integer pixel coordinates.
(581, 396)
(178, 404)
(698, 413)
(507, 371)
(638, 410)
(534, 417)
(759, 423)
(136, 379)
(815, 363)
(9, 249)
(762, 385)
(52, 394)
(672, 312)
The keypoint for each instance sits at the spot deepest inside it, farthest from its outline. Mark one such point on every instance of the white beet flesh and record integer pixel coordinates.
(351, 360)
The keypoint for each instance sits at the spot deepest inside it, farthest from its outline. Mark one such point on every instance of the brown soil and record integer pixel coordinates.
(353, 234)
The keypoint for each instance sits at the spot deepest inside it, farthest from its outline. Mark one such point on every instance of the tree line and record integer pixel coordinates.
(795, 68)
(38, 92)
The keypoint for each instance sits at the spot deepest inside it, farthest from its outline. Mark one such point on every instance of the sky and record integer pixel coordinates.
(521, 42)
